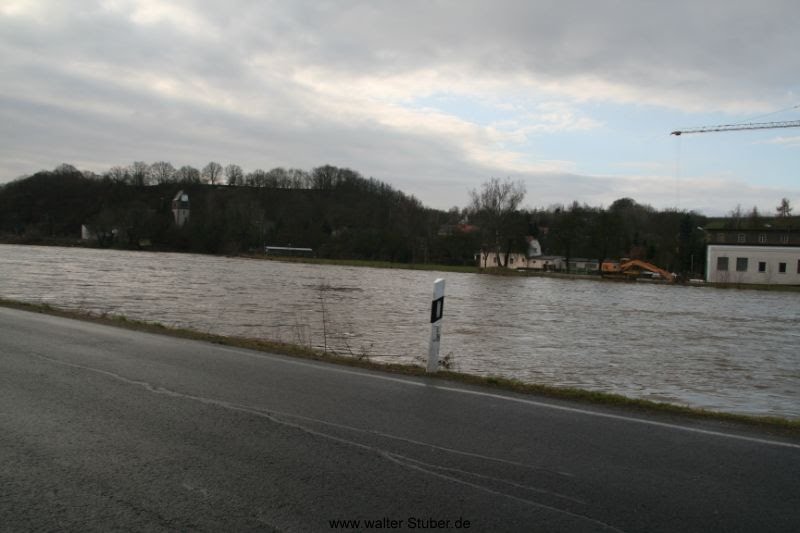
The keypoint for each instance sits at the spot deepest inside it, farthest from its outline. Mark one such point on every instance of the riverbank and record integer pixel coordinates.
(513, 272)
(783, 425)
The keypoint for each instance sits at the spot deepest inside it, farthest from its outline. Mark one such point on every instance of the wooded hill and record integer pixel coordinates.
(335, 211)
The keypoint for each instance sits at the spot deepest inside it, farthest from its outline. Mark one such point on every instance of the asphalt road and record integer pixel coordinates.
(108, 429)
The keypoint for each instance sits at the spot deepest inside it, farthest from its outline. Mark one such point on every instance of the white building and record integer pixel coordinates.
(549, 263)
(768, 265)
(180, 208)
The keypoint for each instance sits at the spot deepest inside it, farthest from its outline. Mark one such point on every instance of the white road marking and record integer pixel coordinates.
(587, 412)
(399, 459)
(408, 382)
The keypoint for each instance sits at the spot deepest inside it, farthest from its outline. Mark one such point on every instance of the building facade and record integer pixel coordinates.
(180, 208)
(767, 265)
(541, 263)
(764, 253)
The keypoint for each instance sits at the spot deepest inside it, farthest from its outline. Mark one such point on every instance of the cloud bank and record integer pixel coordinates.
(433, 97)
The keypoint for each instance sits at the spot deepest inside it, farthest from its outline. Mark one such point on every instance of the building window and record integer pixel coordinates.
(784, 239)
(782, 268)
(721, 237)
(741, 264)
(762, 238)
(741, 238)
(762, 266)
(722, 264)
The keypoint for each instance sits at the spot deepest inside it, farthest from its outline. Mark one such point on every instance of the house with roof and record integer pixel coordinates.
(761, 251)
(180, 208)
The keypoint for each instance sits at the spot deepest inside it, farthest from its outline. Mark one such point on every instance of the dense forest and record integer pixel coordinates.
(335, 211)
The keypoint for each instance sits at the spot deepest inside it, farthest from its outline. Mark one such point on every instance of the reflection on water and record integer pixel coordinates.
(718, 349)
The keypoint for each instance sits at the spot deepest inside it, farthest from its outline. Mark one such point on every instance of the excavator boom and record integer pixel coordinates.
(631, 268)
(636, 263)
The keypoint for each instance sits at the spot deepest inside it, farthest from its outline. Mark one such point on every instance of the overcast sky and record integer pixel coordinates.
(575, 98)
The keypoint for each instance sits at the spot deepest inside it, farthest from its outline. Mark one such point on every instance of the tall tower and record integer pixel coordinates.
(180, 208)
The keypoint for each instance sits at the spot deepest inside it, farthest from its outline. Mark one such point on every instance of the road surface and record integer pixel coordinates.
(103, 428)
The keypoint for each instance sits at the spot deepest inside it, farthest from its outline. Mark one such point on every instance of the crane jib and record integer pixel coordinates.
(739, 127)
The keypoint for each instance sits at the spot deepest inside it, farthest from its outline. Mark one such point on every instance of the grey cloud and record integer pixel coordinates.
(731, 49)
(717, 51)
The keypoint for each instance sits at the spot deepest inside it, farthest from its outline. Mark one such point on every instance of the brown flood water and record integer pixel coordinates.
(727, 350)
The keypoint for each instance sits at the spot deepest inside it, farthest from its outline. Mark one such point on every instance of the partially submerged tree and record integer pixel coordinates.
(494, 207)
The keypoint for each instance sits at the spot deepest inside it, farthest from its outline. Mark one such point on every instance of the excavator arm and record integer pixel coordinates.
(643, 265)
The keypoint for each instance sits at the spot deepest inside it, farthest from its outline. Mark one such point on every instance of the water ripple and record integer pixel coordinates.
(728, 350)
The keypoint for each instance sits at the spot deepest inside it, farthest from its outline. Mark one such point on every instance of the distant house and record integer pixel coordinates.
(541, 263)
(180, 208)
(490, 260)
(767, 252)
(547, 263)
(533, 259)
(581, 265)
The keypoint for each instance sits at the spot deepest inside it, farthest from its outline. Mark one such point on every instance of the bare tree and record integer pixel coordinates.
(234, 174)
(162, 172)
(278, 178)
(139, 173)
(493, 206)
(187, 174)
(256, 178)
(299, 179)
(118, 175)
(212, 172)
(785, 209)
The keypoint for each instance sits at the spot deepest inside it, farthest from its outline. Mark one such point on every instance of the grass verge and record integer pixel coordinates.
(785, 426)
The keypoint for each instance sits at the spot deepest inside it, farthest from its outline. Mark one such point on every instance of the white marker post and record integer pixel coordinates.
(437, 311)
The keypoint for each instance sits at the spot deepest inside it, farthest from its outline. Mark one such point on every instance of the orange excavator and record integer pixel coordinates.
(632, 269)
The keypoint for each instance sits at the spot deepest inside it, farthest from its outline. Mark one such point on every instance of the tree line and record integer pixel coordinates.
(672, 239)
(336, 211)
(142, 174)
(339, 214)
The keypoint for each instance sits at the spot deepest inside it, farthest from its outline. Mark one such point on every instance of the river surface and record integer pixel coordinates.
(727, 350)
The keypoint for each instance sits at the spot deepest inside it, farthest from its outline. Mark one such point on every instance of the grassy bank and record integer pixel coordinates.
(786, 426)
